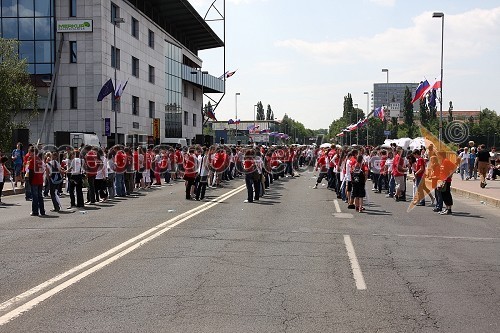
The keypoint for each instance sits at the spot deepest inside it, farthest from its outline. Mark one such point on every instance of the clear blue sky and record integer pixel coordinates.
(303, 57)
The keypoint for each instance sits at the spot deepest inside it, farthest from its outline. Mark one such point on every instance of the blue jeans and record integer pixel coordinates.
(119, 184)
(37, 206)
(464, 170)
(392, 186)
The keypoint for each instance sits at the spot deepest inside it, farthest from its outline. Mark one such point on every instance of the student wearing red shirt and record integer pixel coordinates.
(419, 177)
(322, 166)
(36, 175)
(190, 167)
(447, 169)
(91, 166)
(398, 171)
(121, 165)
(27, 189)
(252, 179)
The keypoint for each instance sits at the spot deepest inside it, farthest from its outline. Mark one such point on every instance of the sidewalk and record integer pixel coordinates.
(471, 189)
(8, 190)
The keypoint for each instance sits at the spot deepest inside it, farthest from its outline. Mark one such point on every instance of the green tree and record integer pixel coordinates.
(348, 109)
(16, 91)
(408, 107)
(269, 113)
(260, 112)
(424, 113)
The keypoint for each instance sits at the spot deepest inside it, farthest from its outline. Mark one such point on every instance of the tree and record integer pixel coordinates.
(260, 112)
(408, 115)
(424, 113)
(269, 113)
(408, 108)
(16, 91)
(348, 109)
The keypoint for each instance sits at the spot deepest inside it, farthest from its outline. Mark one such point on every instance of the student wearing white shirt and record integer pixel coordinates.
(75, 180)
(464, 163)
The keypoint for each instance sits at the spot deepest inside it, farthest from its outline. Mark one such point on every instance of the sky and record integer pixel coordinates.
(303, 57)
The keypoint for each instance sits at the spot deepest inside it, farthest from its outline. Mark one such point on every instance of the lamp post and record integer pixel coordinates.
(385, 70)
(236, 117)
(357, 129)
(116, 20)
(367, 108)
(254, 108)
(441, 15)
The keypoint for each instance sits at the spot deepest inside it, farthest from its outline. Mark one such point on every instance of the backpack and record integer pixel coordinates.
(55, 176)
(358, 176)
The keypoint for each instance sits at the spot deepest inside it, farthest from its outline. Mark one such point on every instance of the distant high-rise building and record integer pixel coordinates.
(386, 93)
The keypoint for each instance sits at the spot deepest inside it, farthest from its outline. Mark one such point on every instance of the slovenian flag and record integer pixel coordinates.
(230, 122)
(379, 113)
(421, 90)
(119, 90)
(210, 113)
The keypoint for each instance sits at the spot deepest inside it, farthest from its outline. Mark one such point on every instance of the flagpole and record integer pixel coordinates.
(116, 20)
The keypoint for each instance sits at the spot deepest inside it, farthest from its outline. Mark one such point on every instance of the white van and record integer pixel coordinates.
(77, 139)
(174, 142)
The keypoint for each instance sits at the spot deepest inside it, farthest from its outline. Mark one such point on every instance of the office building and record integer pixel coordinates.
(155, 50)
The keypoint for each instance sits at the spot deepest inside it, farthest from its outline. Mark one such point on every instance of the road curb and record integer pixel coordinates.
(476, 196)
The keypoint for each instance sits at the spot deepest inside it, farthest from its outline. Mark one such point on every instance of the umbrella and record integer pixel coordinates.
(325, 145)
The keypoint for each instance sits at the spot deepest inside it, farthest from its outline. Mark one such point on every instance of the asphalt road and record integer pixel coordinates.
(297, 261)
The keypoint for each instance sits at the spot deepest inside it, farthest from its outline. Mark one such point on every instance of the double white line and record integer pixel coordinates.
(96, 263)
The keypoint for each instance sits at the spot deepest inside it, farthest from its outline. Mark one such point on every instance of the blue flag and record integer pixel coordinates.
(106, 89)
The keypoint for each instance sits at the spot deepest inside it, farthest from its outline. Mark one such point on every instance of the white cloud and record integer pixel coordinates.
(466, 35)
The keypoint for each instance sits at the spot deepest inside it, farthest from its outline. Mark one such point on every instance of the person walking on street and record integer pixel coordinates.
(17, 161)
(35, 176)
(482, 164)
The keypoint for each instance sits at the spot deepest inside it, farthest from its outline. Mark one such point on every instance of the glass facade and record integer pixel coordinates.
(32, 23)
(173, 91)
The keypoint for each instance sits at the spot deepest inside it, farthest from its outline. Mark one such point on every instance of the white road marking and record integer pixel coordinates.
(441, 237)
(127, 247)
(337, 206)
(356, 270)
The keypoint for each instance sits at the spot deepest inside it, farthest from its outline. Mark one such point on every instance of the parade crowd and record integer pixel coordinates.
(120, 171)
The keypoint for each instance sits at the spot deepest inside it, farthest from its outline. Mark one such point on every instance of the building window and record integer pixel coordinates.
(151, 39)
(194, 94)
(72, 52)
(115, 57)
(185, 90)
(151, 74)
(72, 8)
(115, 12)
(135, 28)
(135, 105)
(135, 67)
(73, 98)
(151, 109)
(194, 119)
(186, 118)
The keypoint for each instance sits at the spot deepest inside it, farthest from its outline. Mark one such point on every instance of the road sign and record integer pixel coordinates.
(387, 133)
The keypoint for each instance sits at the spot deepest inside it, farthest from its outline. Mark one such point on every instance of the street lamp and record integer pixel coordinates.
(357, 118)
(116, 20)
(441, 15)
(367, 107)
(236, 116)
(254, 108)
(387, 85)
